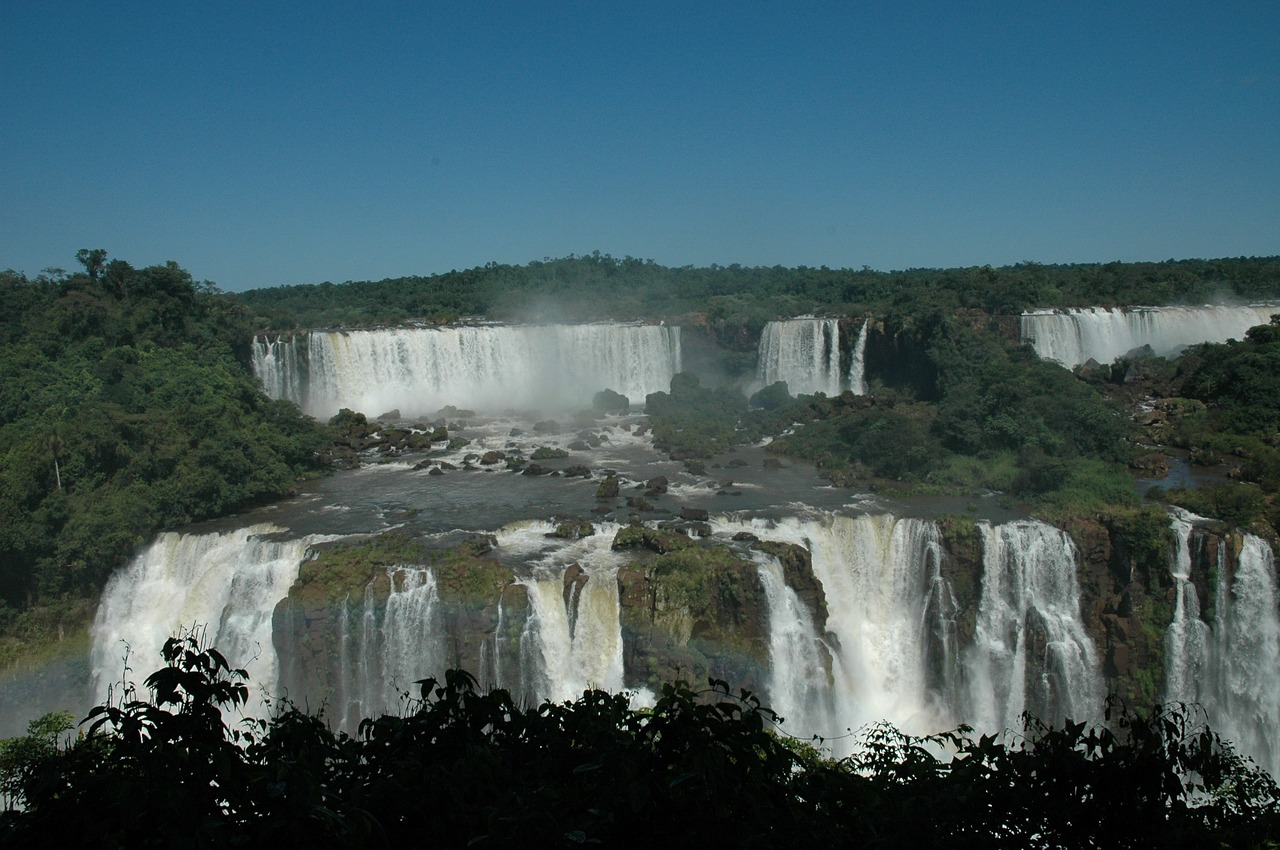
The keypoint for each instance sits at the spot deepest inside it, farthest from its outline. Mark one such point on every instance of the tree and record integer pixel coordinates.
(92, 260)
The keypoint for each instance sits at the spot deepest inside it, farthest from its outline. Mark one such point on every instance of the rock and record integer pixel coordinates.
(575, 578)
(608, 488)
(392, 415)
(577, 471)
(772, 463)
(573, 529)
(746, 536)
(608, 401)
(657, 485)
(492, 456)
(736, 462)
(535, 469)
(435, 470)
(547, 453)
(797, 567)
(547, 426)
(695, 467)
(640, 503)
(579, 446)
(695, 514)
(771, 397)
(652, 539)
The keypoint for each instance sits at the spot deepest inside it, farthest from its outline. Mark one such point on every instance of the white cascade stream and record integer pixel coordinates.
(1031, 652)
(227, 583)
(420, 370)
(1072, 337)
(804, 352)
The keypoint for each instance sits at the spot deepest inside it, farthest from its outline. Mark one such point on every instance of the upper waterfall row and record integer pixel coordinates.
(1072, 337)
(420, 370)
(493, 368)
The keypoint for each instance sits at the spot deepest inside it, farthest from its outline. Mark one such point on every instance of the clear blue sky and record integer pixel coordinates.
(265, 143)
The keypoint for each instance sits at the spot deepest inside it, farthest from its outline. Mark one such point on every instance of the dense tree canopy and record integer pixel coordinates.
(738, 300)
(126, 406)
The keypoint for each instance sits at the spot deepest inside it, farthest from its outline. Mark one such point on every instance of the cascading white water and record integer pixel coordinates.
(1187, 642)
(857, 366)
(889, 618)
(228, 583)
(1229, 667)
(420, 370)
(572, 639)
(400, 640)
(1072, 337)
(799, 684)
(1247, 628)
(804, 352)
(275, 363)
(1031, 651)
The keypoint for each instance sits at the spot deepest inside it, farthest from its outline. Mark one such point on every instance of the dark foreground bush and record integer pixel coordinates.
(465, 768)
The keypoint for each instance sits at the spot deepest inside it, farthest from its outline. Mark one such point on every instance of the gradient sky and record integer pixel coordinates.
(266, 143)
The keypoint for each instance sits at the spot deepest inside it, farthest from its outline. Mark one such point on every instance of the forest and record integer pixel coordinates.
(128, 406)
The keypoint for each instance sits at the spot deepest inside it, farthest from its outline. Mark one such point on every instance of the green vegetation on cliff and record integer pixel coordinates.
(126, 406)
(1237, 421)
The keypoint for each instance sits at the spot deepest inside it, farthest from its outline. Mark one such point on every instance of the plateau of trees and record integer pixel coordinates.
(738, 300)
(462, 767)
(126, 406)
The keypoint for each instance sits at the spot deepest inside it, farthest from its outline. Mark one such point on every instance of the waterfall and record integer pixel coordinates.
(1030, 650)
(275, 362)
(399, 640)
(228, 583)
(799, 685)
(1229, 665)
(1072, 337)
(1187, 642)
(890, 625)
(857, 366)
(572, 639)
(1247, 631)
(803, 352)
(420, 370)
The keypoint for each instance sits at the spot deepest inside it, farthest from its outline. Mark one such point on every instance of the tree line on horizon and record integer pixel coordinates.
(598, 286)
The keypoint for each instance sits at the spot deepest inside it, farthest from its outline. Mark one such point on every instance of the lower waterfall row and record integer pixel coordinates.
(833, 620)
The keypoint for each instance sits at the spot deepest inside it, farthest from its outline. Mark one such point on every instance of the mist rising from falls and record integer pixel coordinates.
(1072, 337)
(805, 353)
(1031, 651)
(228, 583)
(420, 370)
(1229, 665)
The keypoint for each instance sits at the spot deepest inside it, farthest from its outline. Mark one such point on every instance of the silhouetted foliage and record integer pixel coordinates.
(464, 767)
